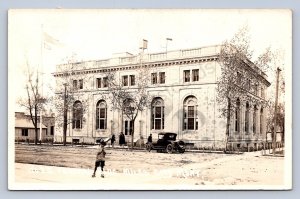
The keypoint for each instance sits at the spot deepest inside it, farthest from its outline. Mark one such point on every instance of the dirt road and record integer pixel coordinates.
(71, 168)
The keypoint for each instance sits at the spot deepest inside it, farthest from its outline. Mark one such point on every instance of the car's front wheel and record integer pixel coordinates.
(169, 148)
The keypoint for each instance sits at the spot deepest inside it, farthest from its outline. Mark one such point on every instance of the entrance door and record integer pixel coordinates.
(128, 127)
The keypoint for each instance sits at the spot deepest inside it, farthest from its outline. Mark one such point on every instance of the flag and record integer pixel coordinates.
(144, 44)
(50, 42)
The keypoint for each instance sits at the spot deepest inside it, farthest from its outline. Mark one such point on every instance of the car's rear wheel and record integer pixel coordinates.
(169, 148)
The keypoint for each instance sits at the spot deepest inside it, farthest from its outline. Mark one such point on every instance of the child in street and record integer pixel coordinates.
(100, 159)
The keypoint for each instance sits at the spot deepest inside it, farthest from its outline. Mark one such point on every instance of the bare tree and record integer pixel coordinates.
(68, 96)
(34, 101)
(280, 119)
(130, 101)
(235, 80)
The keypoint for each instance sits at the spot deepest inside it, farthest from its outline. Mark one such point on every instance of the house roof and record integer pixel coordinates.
(26, 123)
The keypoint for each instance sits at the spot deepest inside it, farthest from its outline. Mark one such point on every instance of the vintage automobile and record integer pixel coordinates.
(166, 142)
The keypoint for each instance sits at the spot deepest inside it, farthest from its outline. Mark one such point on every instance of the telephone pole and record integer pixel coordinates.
(275, 110)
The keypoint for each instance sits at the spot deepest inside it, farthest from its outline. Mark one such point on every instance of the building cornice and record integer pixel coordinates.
(153, 64)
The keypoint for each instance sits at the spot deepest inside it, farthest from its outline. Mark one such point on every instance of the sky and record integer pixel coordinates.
(99, 33)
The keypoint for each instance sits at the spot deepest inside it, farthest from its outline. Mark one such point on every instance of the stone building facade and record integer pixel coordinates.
(183, 85)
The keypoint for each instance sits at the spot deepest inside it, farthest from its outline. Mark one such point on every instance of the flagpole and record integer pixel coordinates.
(41, 65)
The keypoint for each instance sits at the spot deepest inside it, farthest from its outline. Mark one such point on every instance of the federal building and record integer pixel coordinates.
(182, 84)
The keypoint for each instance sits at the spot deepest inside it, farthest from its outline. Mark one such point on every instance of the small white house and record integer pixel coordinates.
(24, 129)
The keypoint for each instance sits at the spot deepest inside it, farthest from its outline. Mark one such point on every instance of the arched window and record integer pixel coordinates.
(101, 115)
(261, 120)
(237, 115)
(157, 114)
(77, 115)
(247, 117)
(190, 114)
(254, 119)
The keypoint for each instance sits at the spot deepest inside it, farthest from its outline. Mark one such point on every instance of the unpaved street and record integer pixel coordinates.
(72, 166)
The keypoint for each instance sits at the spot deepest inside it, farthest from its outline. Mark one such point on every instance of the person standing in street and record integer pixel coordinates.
(100, 159)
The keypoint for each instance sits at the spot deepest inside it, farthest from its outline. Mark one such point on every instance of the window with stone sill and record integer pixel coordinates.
(190, 113)
(186, 75)
(101, 115)
(162, 77)
(157, 114)
(77, 115)
(153, 78)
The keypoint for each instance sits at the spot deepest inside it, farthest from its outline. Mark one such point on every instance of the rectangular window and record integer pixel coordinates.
(102, 113)
(52, 130)
(75, 84)
(157, 112)
(132, 80)
(125, 80)
(101, 118)
(162, 77)
(158, 115)
(77, 119)
(98, 82)
(80, 84)
(154, 78)
(190, 111)
(191, 123)
(186, 75)
(157, 118)
(77, 124)
(24, 132)
(102, 124)
(105, 84)
(195, 74)
(157, 124)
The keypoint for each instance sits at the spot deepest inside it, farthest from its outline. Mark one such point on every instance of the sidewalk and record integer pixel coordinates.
(37, 176)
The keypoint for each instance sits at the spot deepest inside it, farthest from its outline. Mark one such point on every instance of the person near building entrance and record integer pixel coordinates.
(150, 139)
(100, 159)
(122, 139)
(112, 140)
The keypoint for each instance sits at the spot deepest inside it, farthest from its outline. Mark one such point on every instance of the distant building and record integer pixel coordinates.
(24, 128)
(183, 85)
